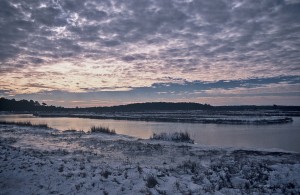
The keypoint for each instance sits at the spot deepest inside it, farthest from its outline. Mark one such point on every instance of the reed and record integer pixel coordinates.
(101, 129)
(176, 137)
(26, 123)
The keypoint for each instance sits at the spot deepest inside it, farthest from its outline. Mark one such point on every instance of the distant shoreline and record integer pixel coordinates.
(182, 117)
(34, 106)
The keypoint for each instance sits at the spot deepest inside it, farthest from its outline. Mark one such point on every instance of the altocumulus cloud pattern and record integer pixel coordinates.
(129, 46)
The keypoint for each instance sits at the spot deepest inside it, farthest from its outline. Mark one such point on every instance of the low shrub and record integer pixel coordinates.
(27, 123)
(176, 137)
(151, 182)
(100, 129)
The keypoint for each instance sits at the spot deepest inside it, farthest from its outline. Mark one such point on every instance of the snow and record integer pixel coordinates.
(46, 161)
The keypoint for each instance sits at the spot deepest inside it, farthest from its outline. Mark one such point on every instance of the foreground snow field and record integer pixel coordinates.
(36, 160)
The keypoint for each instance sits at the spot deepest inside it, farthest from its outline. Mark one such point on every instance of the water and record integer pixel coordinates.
(283, 136)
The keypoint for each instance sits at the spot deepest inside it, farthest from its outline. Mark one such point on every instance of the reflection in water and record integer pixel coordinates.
(284, 136)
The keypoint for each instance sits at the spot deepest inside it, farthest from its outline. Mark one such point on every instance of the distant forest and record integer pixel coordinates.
(25, 105)
(34, 106)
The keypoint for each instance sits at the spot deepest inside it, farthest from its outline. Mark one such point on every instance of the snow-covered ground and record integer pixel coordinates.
(37, 160)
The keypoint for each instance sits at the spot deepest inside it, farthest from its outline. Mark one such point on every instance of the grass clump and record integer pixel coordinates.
(151, 182)
(176, 137)
(101, 129)
(27, 124)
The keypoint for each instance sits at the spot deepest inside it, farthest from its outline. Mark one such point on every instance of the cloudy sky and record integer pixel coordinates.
(109, 52)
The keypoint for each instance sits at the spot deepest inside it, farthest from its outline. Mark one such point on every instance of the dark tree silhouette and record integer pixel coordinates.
(25, 105)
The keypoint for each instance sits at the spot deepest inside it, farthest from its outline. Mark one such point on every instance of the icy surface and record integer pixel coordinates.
(46, 161)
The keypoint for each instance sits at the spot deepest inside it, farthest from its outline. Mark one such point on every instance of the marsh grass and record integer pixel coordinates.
(26, 123)
(176, 137)
(151, 181)
(101, 129)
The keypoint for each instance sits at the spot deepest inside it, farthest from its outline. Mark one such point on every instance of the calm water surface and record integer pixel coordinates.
(283, 136)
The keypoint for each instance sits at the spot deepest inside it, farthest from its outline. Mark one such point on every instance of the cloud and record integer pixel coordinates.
(201, 86)
(5, 92)
(143, 42)
(265, 91)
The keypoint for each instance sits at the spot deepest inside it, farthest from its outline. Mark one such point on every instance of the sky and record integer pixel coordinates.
(111, 52)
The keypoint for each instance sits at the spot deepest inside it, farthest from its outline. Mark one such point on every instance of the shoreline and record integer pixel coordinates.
(43, 161)
(180, 118)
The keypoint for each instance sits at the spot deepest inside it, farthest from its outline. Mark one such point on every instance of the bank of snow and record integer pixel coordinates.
(37, 160)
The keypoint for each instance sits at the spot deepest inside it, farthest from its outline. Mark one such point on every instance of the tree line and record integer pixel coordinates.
(31, 106)
(25, 105)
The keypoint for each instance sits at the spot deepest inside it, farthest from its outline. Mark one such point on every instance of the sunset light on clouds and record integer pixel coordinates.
(108, 52)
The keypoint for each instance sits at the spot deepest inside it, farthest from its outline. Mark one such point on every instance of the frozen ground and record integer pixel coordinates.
(45, 161)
